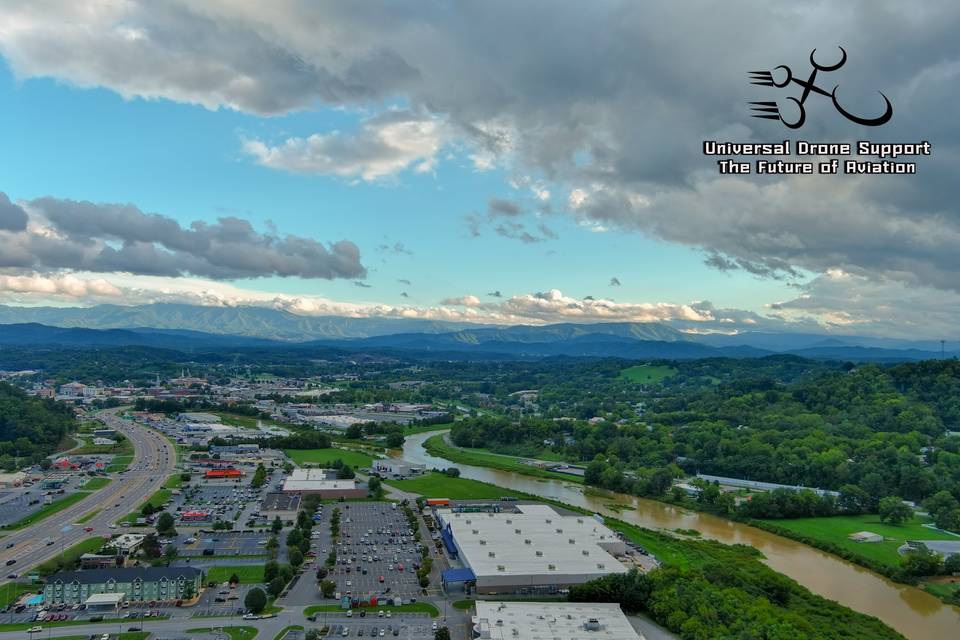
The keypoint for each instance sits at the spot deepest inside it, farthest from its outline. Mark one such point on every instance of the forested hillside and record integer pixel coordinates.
(30, 427)
(868, 432)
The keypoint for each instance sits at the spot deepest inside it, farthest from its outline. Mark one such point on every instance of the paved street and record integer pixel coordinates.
(154, 460)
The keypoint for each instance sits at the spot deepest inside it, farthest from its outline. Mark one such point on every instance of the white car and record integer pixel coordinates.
(35, 630)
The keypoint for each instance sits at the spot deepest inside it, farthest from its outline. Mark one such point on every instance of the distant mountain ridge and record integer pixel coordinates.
(187, 327)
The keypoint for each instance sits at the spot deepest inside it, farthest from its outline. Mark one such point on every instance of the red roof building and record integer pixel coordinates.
(220, 474)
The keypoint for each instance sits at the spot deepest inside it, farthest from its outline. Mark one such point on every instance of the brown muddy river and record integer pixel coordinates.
(912, 612)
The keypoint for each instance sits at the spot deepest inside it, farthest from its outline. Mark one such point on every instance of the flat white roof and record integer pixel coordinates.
(100, 599)
(551, 620)
(538, 541)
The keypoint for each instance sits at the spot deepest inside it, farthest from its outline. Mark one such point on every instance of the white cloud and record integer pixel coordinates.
(383, 147)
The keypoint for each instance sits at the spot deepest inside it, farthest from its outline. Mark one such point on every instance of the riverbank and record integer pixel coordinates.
(438, 446)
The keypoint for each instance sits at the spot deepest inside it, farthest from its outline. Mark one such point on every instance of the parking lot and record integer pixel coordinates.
(376, 553)
(232, 601)
(409, 627)
(17, 503)
(199, 544)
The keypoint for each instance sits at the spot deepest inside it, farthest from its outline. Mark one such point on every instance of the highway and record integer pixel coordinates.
(154, 460)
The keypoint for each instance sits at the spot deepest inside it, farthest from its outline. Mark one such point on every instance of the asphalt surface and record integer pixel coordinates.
(154, 460)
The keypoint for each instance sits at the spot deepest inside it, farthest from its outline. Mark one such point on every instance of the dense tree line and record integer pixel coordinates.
(867, 432)
(30, 428)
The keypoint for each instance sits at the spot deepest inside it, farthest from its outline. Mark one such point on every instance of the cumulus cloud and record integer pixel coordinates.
(384, 146)
(12, 216)
(614, 117)
(86, 236)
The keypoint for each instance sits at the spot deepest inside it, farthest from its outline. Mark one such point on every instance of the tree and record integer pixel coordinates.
(443, 633)
(893, 510)
(313, 634)
(354, 432)
(234, 579)
(346, 472)
(328, 587)
(272, 545)
(294, 538)
(922, 562)
(277, 525)
(853, 499)
(322, 573)
(395, 439)
(270, 570)
(170, 553)
(165, 525)
(452, 472)
(375, 486)
(255, 600)
(259, 476)
(949, 520)
(275, 587)
(295, 556)
(951, 566)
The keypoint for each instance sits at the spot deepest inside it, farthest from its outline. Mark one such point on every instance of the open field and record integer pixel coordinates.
(248, 573)
(49, 509)
(438, 485)
(439, 447)
(322, 456)
(11, 592)
(836, 529)
(648, 373)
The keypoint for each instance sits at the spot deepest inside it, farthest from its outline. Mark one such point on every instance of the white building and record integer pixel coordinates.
(551, 620)
(193, 416)
(322, 482)
(394, 467)
(534, 551)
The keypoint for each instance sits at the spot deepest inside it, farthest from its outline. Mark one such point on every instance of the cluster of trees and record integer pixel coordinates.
(733, 598)
(945, 510)
(867, 432)
(30, 428)
(259, 477)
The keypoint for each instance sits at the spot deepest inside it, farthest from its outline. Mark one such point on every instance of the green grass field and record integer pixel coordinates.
(11, 592)
(437, 446)
(836, 529)
(235, 420)
(49, 509)
(321, 456)
(648, 373)
(463, 605)
(415, 607)
(235, 633)
(173, 482)
(119, 463)
(70, 555)
(96, 483)
(248, 573)
(438, 485)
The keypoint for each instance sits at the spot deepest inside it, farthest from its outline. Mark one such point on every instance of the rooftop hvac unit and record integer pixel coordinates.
(509, 521)
(572, 541)
(527, 541)
(499, 623)
(549, 520)
(500, 567)
(585, 552)
(579, 520)
(476, 531)
(592, 624)
(492, 554)
(468, 522)
(483, 542)
(539, 554)
(516, 632)
(517, 531)
(600, 565)
(559, 530)
(552, 567)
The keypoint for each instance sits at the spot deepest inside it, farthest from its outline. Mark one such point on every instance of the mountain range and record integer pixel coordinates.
(187, 327)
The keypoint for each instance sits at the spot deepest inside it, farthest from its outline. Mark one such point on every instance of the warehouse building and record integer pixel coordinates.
(323, 483)
(135, 584)
(396, 468)
(550, 620)
(531, 550)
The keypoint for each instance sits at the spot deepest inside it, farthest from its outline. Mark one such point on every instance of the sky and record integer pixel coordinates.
(491, 162)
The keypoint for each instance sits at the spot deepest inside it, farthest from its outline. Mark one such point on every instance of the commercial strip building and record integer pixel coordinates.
(531, 550)
(551, 620)
(323, 483)
(135, 584)
(282, 505)
(396, 468)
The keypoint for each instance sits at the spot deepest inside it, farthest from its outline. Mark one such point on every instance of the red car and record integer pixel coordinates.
(88, 529)
(381, 578)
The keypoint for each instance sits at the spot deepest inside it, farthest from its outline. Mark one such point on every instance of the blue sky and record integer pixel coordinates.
(186, 161)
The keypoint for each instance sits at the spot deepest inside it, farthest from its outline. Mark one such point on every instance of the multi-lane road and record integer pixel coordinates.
(154, 459)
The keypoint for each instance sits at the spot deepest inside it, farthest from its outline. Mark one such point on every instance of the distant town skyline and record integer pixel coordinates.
(503, 163)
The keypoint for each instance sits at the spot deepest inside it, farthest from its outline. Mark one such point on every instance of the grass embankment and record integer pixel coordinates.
(414, 607)
(411, 430)
(173, 482)
(837, 529)
(324, 456)
(12, 591)
(119, 463)
(157, 500)
(248, 573)
(95, 484)
(70, 556)
(87, 518)
(647, 373)
(286, 630)
(437, 446)
(462, 605)
(122, 448)
(235, 633)
(48, 510)
(439, 485)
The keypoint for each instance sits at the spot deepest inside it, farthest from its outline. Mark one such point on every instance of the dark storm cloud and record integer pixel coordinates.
(12, 216)
(119, 237)
(614, 98)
